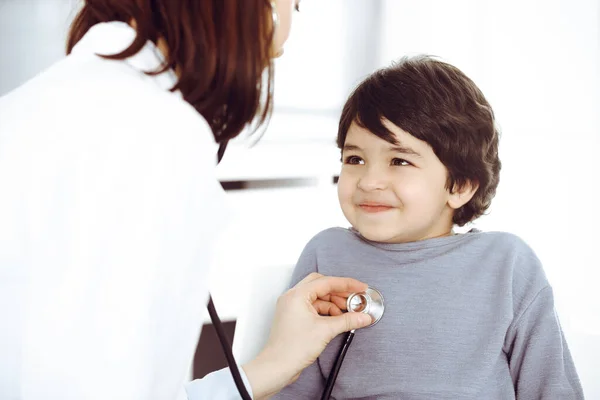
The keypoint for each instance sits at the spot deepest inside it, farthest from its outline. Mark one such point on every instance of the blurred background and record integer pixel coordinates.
(538, 63)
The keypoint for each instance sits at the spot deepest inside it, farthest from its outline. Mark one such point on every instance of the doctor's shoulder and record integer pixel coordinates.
(133, 97)
(154, 112)
(96, 95)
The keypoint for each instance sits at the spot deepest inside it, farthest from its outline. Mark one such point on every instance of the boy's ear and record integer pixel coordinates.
(462, 194)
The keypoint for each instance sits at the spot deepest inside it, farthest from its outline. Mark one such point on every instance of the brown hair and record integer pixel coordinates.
(437, 103)
(221, 50)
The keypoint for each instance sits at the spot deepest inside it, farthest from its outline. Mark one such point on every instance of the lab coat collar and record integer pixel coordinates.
(113, 37)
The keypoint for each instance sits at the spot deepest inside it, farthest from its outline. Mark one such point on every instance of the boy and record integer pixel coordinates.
(468, 316)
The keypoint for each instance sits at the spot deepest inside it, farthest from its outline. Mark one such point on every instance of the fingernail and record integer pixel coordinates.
(365, 319)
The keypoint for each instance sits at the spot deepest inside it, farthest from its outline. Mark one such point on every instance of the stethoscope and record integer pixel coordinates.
(216, 321)
(368, 302)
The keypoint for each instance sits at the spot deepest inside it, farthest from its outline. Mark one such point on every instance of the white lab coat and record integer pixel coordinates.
(109, 209)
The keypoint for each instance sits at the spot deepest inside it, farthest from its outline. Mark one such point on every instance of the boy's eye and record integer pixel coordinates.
(400, 162)
(353, 160)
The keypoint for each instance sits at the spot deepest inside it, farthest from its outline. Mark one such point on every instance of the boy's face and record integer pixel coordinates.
(394, 194)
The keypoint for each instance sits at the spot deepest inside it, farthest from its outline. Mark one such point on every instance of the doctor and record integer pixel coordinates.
(110, 205)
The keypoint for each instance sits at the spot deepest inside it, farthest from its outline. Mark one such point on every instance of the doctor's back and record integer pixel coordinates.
(104, 243)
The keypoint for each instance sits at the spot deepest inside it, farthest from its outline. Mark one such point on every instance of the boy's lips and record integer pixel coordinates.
(374, 207)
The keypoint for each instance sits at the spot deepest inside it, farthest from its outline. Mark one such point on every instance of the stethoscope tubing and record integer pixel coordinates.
(226, 346)
(333, 374)
(374, 307)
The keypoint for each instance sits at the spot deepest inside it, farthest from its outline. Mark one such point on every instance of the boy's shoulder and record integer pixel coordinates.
(334, 233)
(334, 236)
(506, 243)
(515, 259)
(503, 240)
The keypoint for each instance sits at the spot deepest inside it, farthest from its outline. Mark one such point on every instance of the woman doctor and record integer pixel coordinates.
(110, 205)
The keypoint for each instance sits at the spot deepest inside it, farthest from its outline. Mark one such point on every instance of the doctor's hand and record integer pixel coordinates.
(307, 318)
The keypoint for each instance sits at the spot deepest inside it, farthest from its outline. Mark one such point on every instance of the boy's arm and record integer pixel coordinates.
(311, 382)
(539, 360)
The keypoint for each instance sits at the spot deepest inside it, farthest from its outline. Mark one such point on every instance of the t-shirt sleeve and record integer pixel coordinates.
(540, 363)
(307, 263)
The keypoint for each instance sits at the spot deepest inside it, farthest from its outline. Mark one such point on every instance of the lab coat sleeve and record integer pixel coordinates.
(539, 360)
(218, 385)
(311, 381)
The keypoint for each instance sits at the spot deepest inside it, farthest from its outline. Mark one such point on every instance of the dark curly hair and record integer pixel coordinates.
(437, 103)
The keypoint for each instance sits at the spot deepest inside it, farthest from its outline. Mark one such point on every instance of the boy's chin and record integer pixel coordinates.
(383, 236)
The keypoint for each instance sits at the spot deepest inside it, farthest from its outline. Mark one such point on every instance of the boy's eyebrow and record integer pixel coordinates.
(394, 149)
(404, 150)
(350, 147)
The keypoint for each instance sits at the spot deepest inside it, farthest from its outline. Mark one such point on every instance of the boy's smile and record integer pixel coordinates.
(374, 207)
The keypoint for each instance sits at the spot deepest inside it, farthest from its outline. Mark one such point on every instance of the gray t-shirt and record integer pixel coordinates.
(468, 316)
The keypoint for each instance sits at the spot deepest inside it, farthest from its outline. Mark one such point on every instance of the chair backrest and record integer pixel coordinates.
(256, 315)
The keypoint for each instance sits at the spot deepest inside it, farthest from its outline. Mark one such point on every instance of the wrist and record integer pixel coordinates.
(268, 374)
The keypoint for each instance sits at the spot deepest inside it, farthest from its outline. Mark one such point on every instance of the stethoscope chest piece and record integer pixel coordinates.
(368, 302)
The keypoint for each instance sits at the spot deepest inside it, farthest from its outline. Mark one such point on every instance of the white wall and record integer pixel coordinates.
(32, 37)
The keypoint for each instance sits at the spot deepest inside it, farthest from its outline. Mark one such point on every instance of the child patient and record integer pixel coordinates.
(468, 316)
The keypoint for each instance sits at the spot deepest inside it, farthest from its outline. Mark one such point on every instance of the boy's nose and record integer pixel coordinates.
(372, 180)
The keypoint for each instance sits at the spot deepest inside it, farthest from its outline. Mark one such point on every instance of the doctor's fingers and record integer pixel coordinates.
(330, 296)
(335, 305)
(326, 308)
(322, 286)
(345, 322)
(309, 278)
(339, 301)
(314, 276)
